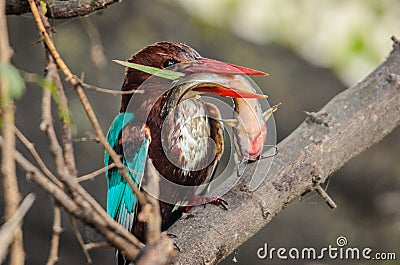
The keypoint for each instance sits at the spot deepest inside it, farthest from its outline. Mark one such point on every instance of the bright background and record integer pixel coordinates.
(312, 51)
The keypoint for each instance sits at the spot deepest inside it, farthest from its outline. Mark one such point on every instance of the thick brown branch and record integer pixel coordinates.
(352, 121)
(59, 8)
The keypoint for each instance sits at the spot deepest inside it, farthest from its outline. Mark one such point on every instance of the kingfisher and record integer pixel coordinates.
(183, 154)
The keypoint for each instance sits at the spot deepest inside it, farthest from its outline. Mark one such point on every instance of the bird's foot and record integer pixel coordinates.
(201, 200)
(169, 235)
(172, 237)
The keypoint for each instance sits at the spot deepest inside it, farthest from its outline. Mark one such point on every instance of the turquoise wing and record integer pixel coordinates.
(121, 202)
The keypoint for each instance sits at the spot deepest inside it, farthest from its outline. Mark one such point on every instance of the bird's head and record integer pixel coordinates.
(201, 75)
(169, 54)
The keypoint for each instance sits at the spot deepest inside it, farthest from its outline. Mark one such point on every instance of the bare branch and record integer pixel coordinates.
(89, 138)
(78, 235)
(30, 146)
(55, 148)
(110, 91)
(59, 8)
(159, 248)
(96, 173)
(90, 246)
(52, 75)
(96, 48)
(85, 102)
(69, 158)
(7, 231)
(356, 118)
(321, 192)
(83, 207)
(12, 197)
(55, 239)
(46, 124)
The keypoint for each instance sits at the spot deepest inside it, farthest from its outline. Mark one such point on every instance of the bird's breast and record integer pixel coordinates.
(186, 136)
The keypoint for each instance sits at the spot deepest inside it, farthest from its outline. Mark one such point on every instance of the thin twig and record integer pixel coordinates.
(90, 246)
(68, 158)
(46, 106)
(55, 238)
(317, 180)
(159, 248)
(110, 91)
(73, 186)
(8, 170)
(68, 150)
(95, 173)
(86, 210)
(325, 196)
(149, 212)
(31, 147)
(86, 139)
(96, 48)
(78, 235)
(46, 124)
(85, 102)
(55, 148)
(7, 231)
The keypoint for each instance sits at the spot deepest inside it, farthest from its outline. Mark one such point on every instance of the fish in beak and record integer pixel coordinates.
(224, 79)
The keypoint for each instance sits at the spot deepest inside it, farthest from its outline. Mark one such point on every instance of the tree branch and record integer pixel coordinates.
(83, 207)
(351, 122)
(11, 195)
(85, 102)
(59, 8)
(7, 230)
(55, 238)
(47, 126)
(80, 204)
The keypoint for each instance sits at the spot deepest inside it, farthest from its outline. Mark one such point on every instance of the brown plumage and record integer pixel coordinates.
(160, 55)
(188, 157)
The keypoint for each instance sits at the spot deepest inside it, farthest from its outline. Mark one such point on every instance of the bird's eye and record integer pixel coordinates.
(169, 63)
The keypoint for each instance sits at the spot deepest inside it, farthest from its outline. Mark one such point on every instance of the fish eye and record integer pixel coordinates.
(169, 63)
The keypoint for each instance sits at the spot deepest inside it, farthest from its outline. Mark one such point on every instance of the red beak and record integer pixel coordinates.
(218, 67)
(213, 66)
(229, 92)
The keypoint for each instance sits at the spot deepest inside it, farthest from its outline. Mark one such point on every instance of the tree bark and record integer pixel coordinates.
(59, 8)
(351, 122)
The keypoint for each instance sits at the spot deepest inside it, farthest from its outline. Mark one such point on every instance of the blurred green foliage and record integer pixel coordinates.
(349, 36)
(14, 80)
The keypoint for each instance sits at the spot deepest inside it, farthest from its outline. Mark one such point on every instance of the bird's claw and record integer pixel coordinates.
(169, 235)
(172, 236)
(200, 200)
(220, 202)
